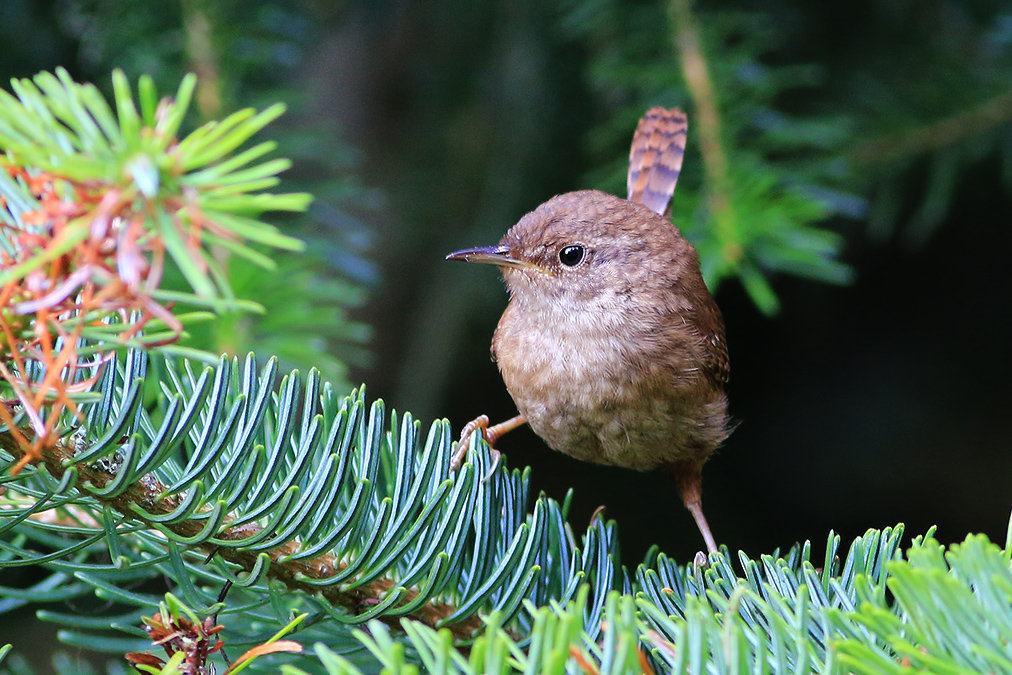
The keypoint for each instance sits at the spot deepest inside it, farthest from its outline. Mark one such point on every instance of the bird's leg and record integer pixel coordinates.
(694, 503)
(490, 434)
(689, 478)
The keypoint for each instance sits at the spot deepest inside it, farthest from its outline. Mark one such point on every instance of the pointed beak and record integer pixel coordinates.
(498, 255)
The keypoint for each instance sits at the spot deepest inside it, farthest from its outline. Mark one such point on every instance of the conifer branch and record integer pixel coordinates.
(150, 493)
(708, 127)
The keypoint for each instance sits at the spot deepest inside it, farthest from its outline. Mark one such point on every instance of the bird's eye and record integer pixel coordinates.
(571, 256)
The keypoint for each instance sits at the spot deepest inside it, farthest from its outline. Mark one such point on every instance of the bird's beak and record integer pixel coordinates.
(498, 255)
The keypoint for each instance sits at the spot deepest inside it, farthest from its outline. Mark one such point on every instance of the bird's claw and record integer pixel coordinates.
(490, 434)
(460, 447)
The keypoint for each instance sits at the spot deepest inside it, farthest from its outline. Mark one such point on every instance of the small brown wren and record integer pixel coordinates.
(611, 346)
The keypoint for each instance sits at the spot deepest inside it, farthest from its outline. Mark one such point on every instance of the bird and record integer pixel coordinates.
(611, 345)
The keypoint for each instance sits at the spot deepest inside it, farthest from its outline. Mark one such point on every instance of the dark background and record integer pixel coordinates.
(859, 406)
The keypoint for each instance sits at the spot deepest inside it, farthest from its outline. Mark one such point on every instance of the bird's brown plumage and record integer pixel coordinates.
(611, 361)
(611, 345)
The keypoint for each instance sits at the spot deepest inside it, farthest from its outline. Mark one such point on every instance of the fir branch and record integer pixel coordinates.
(783, 171)
(310, 493)
(707, 122)
(150, 494)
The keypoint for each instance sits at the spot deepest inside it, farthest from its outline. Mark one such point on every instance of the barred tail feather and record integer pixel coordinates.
(655, 158)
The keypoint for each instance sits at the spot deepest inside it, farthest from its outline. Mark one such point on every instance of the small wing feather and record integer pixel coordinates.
(655, 158)
(718, 364)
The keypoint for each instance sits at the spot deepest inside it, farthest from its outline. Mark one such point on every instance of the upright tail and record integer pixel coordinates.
(655, 158)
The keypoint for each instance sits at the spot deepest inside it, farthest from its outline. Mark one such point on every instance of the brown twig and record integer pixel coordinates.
(706, 121)
(938, 134)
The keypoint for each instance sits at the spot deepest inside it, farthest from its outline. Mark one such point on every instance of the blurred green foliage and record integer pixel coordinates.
(806, 141)
(251, 53)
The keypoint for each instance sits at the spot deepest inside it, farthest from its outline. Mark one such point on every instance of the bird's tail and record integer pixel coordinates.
(655, 158)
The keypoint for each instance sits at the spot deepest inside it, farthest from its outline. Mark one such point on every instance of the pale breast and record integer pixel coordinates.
(608, 391)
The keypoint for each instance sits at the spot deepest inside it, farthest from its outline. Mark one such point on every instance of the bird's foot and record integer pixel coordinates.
(490, 434)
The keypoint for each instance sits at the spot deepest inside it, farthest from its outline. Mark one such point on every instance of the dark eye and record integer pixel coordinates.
(571, 256)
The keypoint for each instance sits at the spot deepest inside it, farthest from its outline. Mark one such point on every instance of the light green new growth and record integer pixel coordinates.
(187, 189)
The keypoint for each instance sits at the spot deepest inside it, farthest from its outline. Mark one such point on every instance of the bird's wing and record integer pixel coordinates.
(655, 158)
(718, 365)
